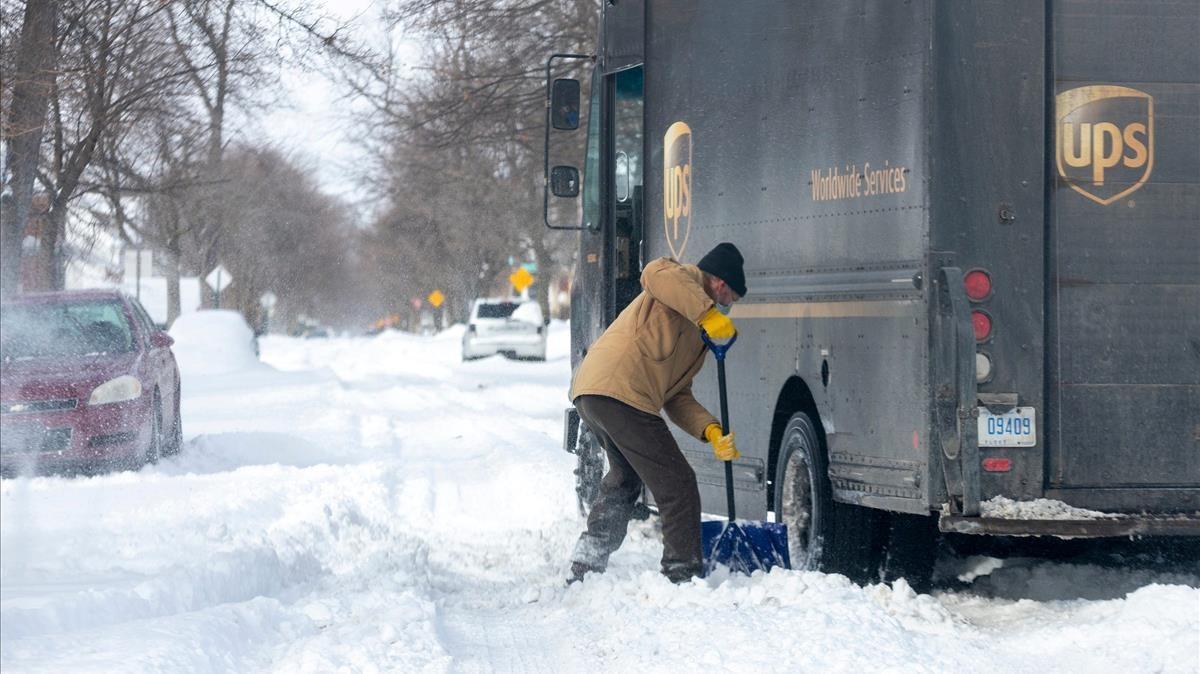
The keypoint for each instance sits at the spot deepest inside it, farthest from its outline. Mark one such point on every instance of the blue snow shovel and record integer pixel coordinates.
(743, 546)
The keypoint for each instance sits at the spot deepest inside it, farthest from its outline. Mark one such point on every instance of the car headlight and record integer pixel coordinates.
(125, 387)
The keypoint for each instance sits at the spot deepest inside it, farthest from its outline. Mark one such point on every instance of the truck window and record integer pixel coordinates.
(626, 194)
(628, 103)
(591, 169)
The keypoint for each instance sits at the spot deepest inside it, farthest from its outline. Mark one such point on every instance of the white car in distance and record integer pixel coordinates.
(514, 328)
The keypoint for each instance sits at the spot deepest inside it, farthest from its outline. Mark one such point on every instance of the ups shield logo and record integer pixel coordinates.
(1104, 140)
(677, 187)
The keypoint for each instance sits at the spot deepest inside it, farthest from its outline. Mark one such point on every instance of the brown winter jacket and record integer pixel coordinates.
(648, 357)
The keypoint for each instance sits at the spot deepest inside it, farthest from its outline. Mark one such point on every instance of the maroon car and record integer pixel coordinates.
(87, 382)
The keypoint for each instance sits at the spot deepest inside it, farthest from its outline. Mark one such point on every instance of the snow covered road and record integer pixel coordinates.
(373, 504)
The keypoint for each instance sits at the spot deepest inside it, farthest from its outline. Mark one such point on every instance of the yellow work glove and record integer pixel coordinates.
(717, 324)
(723, 446)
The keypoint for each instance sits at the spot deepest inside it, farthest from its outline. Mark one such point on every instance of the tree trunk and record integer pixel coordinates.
(55, 258)
(34, 79)
(172, 271)
(541, 257)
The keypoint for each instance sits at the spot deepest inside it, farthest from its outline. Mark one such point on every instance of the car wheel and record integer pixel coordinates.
(175, 442)
(155, 451)
(823, 535)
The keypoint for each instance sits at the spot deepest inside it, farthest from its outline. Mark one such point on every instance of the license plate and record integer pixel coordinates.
(1014, 428)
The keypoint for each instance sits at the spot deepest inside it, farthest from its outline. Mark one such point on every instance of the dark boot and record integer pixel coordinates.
(680, 572)
(578, 571)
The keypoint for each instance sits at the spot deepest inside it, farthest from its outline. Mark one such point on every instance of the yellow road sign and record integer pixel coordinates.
(521, 279)
(436, 298)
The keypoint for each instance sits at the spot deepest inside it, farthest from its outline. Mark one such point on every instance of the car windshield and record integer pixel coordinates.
(496, 309)
(70, 329)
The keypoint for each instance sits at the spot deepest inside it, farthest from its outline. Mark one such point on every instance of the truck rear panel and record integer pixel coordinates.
(1071, 172)
(1123, 264)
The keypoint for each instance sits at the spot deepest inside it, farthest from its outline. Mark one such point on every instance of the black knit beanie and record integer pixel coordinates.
(725, 262)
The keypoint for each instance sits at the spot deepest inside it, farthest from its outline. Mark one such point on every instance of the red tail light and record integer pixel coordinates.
(979, 285)
(982, 324)
(997, 465)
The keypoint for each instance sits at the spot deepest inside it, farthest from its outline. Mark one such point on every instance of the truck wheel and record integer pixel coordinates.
(591, 467)
(592, 462)
(823, 535)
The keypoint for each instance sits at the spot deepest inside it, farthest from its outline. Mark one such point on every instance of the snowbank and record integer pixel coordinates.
(1001, 507)
(213, 342)
(380, 506)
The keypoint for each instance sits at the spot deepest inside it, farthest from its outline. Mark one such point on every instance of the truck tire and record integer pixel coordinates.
(823, 535)
(589, 469)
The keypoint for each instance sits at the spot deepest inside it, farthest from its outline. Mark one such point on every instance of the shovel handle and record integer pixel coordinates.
(719, 352)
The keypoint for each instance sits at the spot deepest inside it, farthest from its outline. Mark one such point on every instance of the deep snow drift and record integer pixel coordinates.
(374, 504)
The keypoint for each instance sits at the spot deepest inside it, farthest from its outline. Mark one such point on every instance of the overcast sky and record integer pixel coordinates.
(314, 124)
(315, 128)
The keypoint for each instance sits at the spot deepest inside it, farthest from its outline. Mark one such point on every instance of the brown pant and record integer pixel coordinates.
(640, 450)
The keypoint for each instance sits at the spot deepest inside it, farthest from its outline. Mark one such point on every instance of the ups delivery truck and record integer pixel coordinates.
(972, 238)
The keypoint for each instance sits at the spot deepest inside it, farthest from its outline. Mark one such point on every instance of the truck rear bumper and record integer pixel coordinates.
(1116, 526)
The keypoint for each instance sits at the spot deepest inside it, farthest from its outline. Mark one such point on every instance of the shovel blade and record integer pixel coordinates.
(744, 546)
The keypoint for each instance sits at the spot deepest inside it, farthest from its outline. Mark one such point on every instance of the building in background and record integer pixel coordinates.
(97, 259)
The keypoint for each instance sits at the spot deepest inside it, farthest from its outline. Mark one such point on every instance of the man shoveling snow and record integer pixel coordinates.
(643, 364)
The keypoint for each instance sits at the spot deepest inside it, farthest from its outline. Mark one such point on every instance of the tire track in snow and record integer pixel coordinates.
(483, 643)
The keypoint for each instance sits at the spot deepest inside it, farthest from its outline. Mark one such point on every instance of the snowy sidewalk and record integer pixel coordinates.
(374, 504)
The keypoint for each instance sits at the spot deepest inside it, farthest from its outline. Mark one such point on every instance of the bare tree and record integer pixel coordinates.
(221, 43)
(447, 227)
(22, 128)
(114, 68)
(149, 179)
(480, 95)
(228, 49)
(291, 239)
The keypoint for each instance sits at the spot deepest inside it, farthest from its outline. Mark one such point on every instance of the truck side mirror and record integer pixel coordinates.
(564, 104)
(564, 181)
(566, 142)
